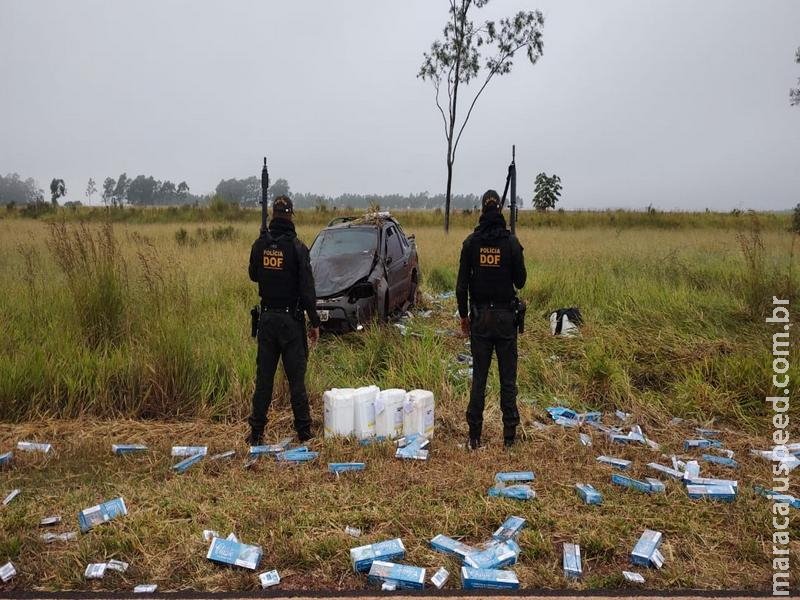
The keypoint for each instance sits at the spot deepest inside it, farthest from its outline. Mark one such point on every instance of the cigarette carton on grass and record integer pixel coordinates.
(632, 577)
(439, 578)
(188, 450)
(281, 446)
(342, 467)
(778, 497)
(617, 463)
(404, 576)
(707, 433)
(674, 473)
(223, 455)
(5, 459)
(496, 556)
(7, 571)
(588, 493)
(512, 477)
(656, 486)
(117, 565)
(515, 492)
(645, 553)
(182, 466)
(720, 460)
(724, 493)
(572, 561)
(95, 571)
(447, 545)
(510, 529)
(228, 552)
(11, 495)
(67, 536)
(269, 579)
(101, 513)
(34, 447)
(488, 579)
(701, 443)
(713, 482)
(48, 521)
(145, 588)
(297, 455)
(387, 551)
(127, 448)
(629, 482)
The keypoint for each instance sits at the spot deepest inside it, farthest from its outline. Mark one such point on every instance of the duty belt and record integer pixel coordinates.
(278, 308)
(491, 305)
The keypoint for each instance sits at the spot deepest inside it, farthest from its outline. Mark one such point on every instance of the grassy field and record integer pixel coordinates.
(139, 332)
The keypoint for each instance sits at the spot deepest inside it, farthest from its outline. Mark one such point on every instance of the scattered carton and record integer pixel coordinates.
(516, 492)
(12, 494)
(403, 576)
(617, 463)
(228, 552)
(632, 577)
(101, 513)
(95, 571)
(707, 433)
(223, 455)
(674, 473)
(34, 447)
(720, 460)
(691, 470)
(586, 439)
(447, 545)
(513, 477)
(439, 578)
(572, 561)
(412, 447)
(363, 556)
(184, 465)
(713, 482)
(725, 493)
(5, 458)
(510, 529)
(786, 459)
(128, 448)
(645, 553)
(48, 521)
(269, 579)
(488, 579)
(117, 565)
(701, 443)
(353, 532)
(49, 538)
(778, 497)
(7, 571)
(622, 416)
(145, 588)
(188, 450)
(588, 493)
(496, 556)
(342, 467)
(297, 455)
(656, 486)
(209, 534)
(634, 484)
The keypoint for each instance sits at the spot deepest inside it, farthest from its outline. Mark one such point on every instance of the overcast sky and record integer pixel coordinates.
(682, 104)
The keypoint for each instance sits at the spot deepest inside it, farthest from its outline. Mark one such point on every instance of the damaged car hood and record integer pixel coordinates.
(335, 274)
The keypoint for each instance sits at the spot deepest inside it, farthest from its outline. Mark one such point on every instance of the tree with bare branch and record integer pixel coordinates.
(794, 94)
(456, 60)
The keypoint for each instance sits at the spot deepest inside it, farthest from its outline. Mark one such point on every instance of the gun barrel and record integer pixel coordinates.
(264, 190)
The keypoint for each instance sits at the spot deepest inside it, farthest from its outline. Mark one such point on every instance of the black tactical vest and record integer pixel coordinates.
(492, 279)
(278, 272)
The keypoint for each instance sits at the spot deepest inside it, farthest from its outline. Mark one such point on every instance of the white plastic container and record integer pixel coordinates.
(389, 413)
(364, 408)
(339, 413)
(418, 413)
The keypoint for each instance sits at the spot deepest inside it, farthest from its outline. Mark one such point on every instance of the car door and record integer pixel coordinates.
(396, 263)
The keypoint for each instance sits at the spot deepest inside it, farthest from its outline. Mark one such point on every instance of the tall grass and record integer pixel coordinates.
(128, 319)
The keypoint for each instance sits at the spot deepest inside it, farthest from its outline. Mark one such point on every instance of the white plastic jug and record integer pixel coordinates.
(339, 413)
(418, 413)
(364, 407)
(389, 413)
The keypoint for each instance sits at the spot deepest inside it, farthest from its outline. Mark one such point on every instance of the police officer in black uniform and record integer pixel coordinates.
(491, 267)
(280, 264)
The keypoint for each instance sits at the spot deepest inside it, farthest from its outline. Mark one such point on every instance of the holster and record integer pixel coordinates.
(519, 314)
(255, 314)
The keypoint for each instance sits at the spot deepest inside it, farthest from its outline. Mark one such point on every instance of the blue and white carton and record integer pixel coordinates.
(439, 578)
(632, 577)
(713, 482)
(588, 493)
(674, 473)
(101, 513)
(363, 556)
(617, 463)
(404, 576)
(496, 556)
(269, 579)
(701, 443)
(634, 484)
(342, 467)
(228, 552)
(127, 448)
(447, 545)
(725, 493)
(7, 571)
(510, 529)
(645, 553)
(656, 486)
(572, 561)
(516, 492)
(297, 455)
(720, 460)
(5, 458)
(271, 448)
(488, 579)
(188, 450)
(511, 477)
(11, 495)
(182, 466)
(34, 447)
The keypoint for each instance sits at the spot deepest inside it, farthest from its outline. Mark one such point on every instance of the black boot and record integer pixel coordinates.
(255, 438)
(509, 436)
(305, 435)
(474, 443)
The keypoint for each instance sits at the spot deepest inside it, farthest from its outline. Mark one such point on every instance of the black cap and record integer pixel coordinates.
(490, 201)
(282, 205)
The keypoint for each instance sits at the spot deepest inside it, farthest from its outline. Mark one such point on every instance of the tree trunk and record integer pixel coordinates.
(447, 196)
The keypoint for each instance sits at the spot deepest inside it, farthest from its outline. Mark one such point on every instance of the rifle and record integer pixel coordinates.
(511, 179)
(264, 190)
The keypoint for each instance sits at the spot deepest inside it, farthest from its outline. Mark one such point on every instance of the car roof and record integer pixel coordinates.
(368, 221)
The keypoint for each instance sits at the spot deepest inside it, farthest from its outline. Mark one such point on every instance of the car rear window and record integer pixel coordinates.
(339, 242)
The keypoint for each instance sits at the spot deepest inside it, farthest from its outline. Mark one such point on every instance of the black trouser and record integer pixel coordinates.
(281, 336)
(493, 330)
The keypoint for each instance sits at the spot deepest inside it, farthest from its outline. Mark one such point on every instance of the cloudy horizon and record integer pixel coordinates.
(676, 104)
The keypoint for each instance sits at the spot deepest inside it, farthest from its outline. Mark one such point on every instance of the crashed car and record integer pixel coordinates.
(364, 268)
